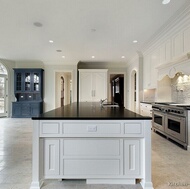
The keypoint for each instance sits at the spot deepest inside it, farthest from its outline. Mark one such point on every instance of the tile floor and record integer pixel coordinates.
(170, 163)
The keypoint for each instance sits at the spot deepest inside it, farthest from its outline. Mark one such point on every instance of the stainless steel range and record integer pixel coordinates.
(171, 120)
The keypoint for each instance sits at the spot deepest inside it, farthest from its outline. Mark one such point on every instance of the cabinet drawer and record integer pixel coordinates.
(50, 128)
(134, 129)
(91, 128)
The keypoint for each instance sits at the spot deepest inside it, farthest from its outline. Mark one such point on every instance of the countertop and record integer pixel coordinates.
(88, 111)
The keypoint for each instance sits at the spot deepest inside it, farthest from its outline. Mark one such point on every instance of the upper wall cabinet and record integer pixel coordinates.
(150, 72)
(92, 84)
(177, 45)
(186, 35)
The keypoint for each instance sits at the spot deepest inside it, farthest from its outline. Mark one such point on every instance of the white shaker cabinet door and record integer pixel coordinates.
(51, 156)
(99, 86)
(132, 157)
(85, 87)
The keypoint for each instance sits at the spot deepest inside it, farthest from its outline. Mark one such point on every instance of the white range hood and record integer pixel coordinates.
(181, 64)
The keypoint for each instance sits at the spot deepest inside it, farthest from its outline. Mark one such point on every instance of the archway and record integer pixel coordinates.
(3, 90)
(62, 91)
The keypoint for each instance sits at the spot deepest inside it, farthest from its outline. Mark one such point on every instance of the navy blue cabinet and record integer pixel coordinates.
(28, 90)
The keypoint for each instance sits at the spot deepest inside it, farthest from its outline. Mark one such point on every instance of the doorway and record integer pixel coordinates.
(63, 88)
(116, 91)
(134, 91)
(3, 89)
(62, 91)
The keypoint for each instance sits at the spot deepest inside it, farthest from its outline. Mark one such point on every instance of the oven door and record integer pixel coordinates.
(158, 120)
(176, 127)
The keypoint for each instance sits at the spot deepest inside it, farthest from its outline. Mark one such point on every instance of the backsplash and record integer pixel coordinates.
(180, 86)
(149, 95)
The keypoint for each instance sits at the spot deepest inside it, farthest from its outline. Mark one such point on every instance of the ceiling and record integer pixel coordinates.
(80, 29)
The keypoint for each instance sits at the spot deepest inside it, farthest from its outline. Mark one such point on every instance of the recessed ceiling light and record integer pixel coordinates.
(51, 41)
(164, 2)
(93, 56)
(59, 50)
(93, 30)
(63, 56)
(38, 24)
(123, 57)
(135, 41)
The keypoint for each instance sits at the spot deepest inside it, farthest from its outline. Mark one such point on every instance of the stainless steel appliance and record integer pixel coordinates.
(171, 120)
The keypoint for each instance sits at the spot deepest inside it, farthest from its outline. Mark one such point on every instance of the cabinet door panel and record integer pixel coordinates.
(51, 157)
(132, 157)
(25, 109)
(85, 87)
(146, 72)
(100, 86)
(186, 40)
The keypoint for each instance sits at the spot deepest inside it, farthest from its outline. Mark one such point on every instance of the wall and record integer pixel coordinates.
(49, 84)
(29, 64)
(136, 65)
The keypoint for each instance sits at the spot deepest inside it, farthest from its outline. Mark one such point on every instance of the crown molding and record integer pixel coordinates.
(181, 19)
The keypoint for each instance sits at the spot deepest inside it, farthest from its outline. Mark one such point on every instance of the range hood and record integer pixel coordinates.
(181, 64)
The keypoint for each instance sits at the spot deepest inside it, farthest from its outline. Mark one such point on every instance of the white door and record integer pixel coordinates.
(3, 111)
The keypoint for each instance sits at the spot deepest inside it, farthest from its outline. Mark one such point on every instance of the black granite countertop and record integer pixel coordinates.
(147, 102)
(88, 111)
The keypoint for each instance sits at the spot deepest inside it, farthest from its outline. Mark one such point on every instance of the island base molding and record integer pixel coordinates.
(112, 151)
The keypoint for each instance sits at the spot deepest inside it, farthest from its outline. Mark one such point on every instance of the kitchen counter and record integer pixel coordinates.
(146, 102)
(103, 145)
(90, 110)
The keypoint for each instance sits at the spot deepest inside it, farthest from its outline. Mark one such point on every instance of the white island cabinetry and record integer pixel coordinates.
(100, 151)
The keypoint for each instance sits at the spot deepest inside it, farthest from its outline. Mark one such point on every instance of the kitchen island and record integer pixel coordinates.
(103, 145)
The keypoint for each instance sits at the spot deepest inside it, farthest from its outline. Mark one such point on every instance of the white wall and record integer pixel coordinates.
(49, 84)
(134, 67)
(29, 64)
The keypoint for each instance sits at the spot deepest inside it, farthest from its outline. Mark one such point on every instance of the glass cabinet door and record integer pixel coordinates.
(36, 82)
(27, 82)
(18, 81)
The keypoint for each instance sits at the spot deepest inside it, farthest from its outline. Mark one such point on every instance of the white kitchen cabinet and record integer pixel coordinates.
(186, 35)
(92, 84)
(150, 72)
(132, 157)
(51, 157)
(177, 45)
(119, 156)
(146, 109)
(146, 72)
